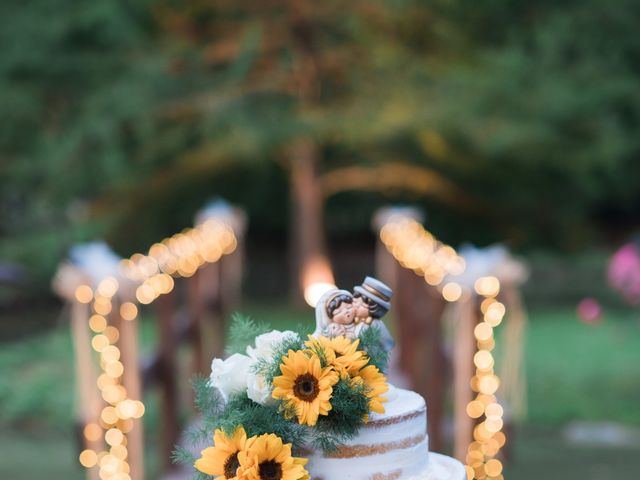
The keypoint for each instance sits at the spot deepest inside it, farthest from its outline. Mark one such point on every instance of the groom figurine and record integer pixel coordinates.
(371, 302)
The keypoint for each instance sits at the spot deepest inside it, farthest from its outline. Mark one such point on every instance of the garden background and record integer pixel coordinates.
(505, 121)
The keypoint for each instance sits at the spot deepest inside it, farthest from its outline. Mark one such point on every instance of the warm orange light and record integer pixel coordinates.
(114, 369)
(119, 451)
(88, 458)
(112, 333)
(113, 436)
(494, 314)
(145, 294)
(99, 342)
(470, 472)
(108, 287)
(184, 253)
(494, 410)
(114, 394)
(434, 279)
(414, 248)
(452, 292)
(111, 354)
(489, 384)
(108, 415)
(139, 409)
(84, 294)
(493, 468)
(128, 311)
(92, 432)
(316, 279)
(125, 425)
(314, 292)
(494, 424)
(487, 286)
(483, 360)
(97, 323)
(486, 303)
(104, 380)
(102, 305)
(483, 331)
(475, 409)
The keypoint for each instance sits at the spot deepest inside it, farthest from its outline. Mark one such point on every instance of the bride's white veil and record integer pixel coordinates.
(322, 317)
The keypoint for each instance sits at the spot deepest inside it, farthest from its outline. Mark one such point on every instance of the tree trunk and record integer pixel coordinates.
(310, 263)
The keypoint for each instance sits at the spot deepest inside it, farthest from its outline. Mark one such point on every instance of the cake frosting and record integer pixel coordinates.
(391, 446)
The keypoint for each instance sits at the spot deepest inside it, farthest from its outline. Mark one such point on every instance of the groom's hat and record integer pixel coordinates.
(376, 291)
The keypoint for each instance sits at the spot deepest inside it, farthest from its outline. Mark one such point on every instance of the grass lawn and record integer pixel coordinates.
(578, 371)
(575, 372)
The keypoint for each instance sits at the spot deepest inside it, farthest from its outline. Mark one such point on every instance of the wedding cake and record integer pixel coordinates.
(393, 445)
(320, 408)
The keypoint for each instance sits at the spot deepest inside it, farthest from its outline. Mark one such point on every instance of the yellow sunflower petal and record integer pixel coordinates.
(295, 388)
(270, 448)
(376, 384)
(213, 459)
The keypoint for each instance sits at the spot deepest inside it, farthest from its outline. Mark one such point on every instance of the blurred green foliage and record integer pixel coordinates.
(120, 119)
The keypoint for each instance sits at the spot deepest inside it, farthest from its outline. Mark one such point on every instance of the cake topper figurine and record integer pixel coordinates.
(340, 312)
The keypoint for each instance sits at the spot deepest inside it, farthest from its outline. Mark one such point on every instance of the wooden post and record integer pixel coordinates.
(419, 309)
(132, 382)
(88, 401)
(196, 310)
(167, 375)
(512, 374)
(385, 264)
(213, 324)
(464, 370)
(232, 271)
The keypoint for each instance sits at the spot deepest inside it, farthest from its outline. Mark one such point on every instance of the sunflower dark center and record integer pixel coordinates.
(270, 470)
(231, 466)
(306, 387)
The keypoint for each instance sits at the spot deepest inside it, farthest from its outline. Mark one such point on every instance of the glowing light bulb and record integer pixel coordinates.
(88, 458)
(314, 292)
(84, 294)
(452, 292)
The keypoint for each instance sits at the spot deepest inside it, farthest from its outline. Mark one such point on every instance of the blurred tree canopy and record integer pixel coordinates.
(505, 119)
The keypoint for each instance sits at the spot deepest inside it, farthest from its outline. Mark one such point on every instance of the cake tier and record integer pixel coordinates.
(391, 446)
(441, 468)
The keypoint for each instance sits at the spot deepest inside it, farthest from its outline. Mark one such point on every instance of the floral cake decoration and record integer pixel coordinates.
(279, 394)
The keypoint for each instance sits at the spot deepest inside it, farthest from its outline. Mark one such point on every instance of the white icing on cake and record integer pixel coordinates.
(441, 468)
(393, 445)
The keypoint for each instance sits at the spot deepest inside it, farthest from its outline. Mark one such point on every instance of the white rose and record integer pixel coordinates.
(267, 343)
(258, 390)
(230, 375)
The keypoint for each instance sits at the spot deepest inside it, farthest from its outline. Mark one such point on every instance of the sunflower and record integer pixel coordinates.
(305, 386)
(267, 458)
(376, 384)
(221, 460)
(323, 350)
(345, 358)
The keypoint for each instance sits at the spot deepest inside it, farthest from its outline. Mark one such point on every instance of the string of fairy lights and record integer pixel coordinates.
(416, 249)
(178, 256)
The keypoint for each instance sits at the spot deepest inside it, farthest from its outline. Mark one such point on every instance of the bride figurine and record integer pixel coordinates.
(335, 315)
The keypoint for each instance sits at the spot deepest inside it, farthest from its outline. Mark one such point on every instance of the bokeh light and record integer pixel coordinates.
(415, 248)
